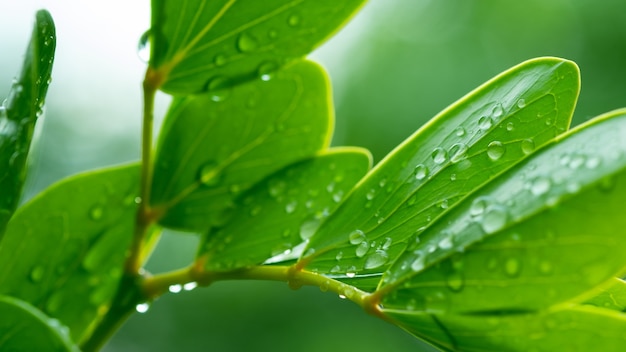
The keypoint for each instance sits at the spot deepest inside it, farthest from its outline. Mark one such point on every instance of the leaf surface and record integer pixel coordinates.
(210, 151)
(576, 328)
(471, 142)
(64, 250)
(20, 111)
(25, 328)
(283, 211)
(549, 230)
(612, 296)
(200, 45)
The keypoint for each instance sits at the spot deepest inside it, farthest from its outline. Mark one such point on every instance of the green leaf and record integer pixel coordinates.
(200, 45)
(611, 297)
(213, 148)
(281, 213)
(576, 328)
(64, 250)
(19, 113)
(25, 328)
(549, 230)
(471, 142)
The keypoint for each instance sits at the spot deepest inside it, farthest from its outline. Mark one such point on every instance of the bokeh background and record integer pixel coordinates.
(393, 67)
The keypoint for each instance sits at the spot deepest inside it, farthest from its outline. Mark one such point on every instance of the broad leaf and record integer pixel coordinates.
(64, 250)
(284, 211)
(200, 45)
(25, 328)
(19, 113)
(611, 297)
(576, 328)
(471, 142)
(549, 230)
(212, 148)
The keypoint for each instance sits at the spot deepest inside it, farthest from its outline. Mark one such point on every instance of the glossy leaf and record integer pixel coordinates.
(200, 45)
(282, 212)
(471, 142)
(576, 328)
(19, 113)
(612, 296)
(63, 251)
(212, 148)
(547, 231)
(25, 328)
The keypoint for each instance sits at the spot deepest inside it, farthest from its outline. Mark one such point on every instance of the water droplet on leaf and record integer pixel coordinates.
(421, 172)
(495, 150)
(356, 237)
(361, 249)
(143, 47)
(376, 259)
(439, 155)
(246, 43)
(528, 146)
(36, 275)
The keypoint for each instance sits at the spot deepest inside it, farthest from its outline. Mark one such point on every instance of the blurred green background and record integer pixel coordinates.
(394, 66)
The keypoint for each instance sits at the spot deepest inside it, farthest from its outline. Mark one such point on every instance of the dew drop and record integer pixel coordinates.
(444, 204)
(418, 263)
(545, 267)
(293, 20)
(387, 243)
(273, 34)
(371, 194)
(246, 43)
(142, 307)
(485, 122)
(479, 205)
(36, 275)
(376, 259)
(308, 228)
(459, 131)
(495, 150)
(540, 185)
(281, 249)
(266, 70)
(219, 60)
(446, 242)
(335, 269)
(577, 161)
(521, 103)
(361, 249)
(421, 172)
(339, 256)
(528, 146)
(510, 126)
(351, 272)
(592, 162)
(512, 267)
(494, 219)
(208, 174)
(143, 47)
(497, 111)
(96, 212)
(439, 155)
(175, 288)
(356, 237)
(190, 286)
(457, 152)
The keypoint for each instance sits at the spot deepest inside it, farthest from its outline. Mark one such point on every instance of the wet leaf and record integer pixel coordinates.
(201, 45)
(549, 230)
(575, 328)
(612, 296)
(64, 250)
(20, 111)
(471, 142)
(212, 148)
(281, 213)
(25, 328)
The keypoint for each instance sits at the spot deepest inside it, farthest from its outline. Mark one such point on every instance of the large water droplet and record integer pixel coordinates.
(209, 174)
(421, 172)
(376, 259)
(36, 275)
(361, 249)
(528, 146)
(479, 205)
(439, 155)
(356, 237)
(497, 111)
(143, 47)
(521, 103)
(485, 122)
(459, 131)
(457, 152)
(495, 150)
(494, 219)
(246, 43)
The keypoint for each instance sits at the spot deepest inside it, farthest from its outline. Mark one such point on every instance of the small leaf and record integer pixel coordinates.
(25, 328)
(281, 213)
(611, 297)
(474, 140)
(549, 230)
(64, 250)
(200, 45)
(20, 111)
(212, 148)
(576, 328)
